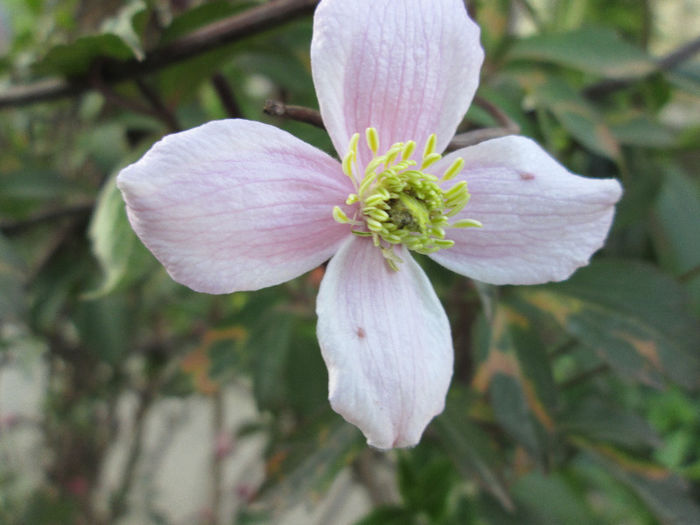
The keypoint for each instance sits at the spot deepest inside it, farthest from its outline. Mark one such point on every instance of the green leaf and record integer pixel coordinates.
(522, 403)
(269, 346)
(664, 493)
(12, 275)
(635, 317)
(552, 500)
(675, 228)
(126, 25)
(596, 50)
(469, 447)
(199, 16)
(104, 326)
(637, 129)
(114, 243)
(425, 482)
(576, 115)
(388, 516)
(602, 420)
(78, 57)
(303, 466)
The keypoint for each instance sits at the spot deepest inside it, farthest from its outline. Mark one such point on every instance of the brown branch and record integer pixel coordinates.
(226, 96)
(583, 377)
(311, 116)
(111, 96)
(471, 138)
(504, 120)
(690, 275)
(275, 108)
(212, 36)
(158, 106)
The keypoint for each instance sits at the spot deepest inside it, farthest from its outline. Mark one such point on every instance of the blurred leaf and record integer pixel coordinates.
(675, 228)
(633, 316)
(389, 516)
(522, 403)
(425, 482)
(105, 326)
(201, 15)
(12, 275)
(663, 492)
(576, 115)
(209, 361)
(603, 420)
(78, 57)
(114, 243)
(24, 190)
(637, 129)
(126, 25)
(303, 466)
(270, 346)
(596, 50)
(551, 500)
(469, 447)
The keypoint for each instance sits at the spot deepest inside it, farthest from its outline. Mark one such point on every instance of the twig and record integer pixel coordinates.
(275, 108)
(311, 116)
(226, 95)
(471, 138)
(365, 472)
(564, 348)
(690, 274)
(217, 458)
(226, 31)
(119, 498)
(504, 120)
(98, 84)
(158, 106)
(584, 376)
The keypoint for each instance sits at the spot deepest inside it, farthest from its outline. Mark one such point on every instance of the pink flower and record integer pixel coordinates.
(237, 205)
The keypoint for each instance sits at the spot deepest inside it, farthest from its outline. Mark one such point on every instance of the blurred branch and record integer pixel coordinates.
(160, 110)
(584, 376)
(220, 33)
(666, 63)
(127, 103)
(217, 472)
(226, 96)
(364, 470)
(690, 275)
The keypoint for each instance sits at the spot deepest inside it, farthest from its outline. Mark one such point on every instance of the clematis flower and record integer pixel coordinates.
(238, 205)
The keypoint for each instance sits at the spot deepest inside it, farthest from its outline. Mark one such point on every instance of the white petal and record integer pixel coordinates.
(235, 205)
(408, 68)
(541, 222)
(386, 342)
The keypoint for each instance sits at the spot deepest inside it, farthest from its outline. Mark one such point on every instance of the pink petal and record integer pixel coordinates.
(541, 222)
(235, 205)
(386, 341)
(408, 68)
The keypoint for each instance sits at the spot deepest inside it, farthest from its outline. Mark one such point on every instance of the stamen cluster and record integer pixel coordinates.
(401, 203)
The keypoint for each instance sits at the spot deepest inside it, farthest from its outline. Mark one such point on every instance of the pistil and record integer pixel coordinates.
(399, 201)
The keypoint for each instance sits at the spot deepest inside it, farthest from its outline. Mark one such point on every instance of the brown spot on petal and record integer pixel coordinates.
(527, 176)
(360, 332)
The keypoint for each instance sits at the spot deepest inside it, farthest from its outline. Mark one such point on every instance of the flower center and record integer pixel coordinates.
(399, 202)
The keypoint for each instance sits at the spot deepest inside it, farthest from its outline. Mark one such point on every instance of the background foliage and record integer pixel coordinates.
(572, 403)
